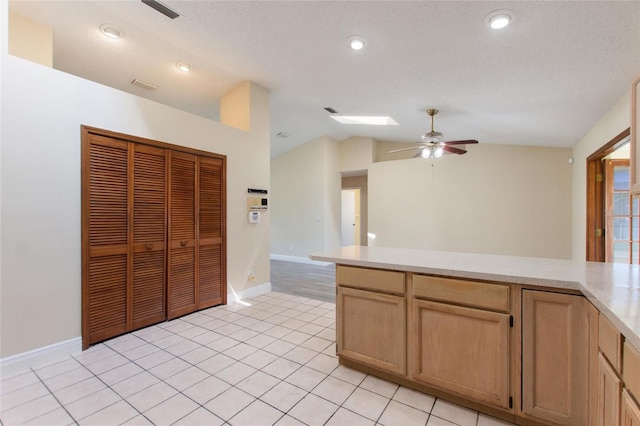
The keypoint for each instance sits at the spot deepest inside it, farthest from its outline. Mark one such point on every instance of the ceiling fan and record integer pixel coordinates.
(433, 145)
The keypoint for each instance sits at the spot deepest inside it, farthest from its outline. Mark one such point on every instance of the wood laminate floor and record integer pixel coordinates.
(302, 279)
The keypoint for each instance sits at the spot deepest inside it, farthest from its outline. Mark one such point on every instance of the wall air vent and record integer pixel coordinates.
(161, 8)
(143, 84)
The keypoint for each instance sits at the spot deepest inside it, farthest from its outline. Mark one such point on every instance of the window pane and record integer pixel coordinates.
(621, 229)
(636, 253)
(621, 252)
(621, 203)
(621, 178)
(635, 236)
(634, 201)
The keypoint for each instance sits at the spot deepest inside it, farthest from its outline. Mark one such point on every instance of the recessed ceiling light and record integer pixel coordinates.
(183, 66)
(111, 31)
(361, 119)
(357, 42)
(499, 18)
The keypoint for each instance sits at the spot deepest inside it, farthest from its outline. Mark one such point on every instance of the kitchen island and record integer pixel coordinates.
(530, 340)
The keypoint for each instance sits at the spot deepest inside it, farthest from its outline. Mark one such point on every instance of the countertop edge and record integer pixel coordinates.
(633, 336)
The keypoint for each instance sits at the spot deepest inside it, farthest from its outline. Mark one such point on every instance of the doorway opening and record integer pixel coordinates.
(353, 220)
(612, 213)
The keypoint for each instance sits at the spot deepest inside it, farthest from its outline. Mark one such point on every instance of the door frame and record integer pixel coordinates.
(595, 250)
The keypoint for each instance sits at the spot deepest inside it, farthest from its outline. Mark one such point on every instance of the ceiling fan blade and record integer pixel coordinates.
(453, 150)
(464, 142)
(405, 149)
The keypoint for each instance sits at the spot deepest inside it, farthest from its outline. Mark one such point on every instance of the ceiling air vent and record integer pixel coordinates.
(143, 84)
(161, 8)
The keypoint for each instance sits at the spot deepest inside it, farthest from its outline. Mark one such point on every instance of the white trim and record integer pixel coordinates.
(39, 356)
(299, 259)
(51, 353)
(233, 297)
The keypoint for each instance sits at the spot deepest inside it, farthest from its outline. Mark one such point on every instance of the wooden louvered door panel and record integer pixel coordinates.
(149, 235)
(153, 232)
(211, 260)
(105, 234)
(181, 288)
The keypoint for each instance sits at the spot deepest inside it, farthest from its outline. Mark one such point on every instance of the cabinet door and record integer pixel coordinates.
(181, 287)
(211, 286)
(149, 235)
(462, 350)
(609, 388)
(555, 349)
(105, 234)
(630, 410)
(371, 329)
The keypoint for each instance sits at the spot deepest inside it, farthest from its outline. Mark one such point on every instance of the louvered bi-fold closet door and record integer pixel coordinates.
(105, 238)
(211, 259)
(181, 288)
(149, 235)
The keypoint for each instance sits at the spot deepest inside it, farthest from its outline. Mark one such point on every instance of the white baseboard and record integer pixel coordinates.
(233, 297)
(298, 259)
(49, 354)
(40, 356)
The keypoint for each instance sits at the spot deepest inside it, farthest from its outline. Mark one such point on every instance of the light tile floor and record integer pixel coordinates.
(270, 362)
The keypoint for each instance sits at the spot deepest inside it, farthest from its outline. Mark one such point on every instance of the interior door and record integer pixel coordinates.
(181, 289)
(105, 234)
(348, 218)
(149, 235)
(211, 227)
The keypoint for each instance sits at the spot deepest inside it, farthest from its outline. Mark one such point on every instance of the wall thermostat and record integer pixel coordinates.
(254, 217)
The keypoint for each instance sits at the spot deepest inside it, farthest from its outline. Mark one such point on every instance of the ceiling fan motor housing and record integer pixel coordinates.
(432, 137)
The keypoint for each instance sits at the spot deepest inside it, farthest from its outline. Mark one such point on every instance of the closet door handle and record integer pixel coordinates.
(148, 246)
(183, 243)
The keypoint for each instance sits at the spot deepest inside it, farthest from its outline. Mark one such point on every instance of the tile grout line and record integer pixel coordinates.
(54, 397)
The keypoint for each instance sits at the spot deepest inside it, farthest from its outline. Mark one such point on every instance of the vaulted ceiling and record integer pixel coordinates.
(543, 80)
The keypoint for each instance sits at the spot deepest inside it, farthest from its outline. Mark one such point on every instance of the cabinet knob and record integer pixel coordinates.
(183, 243)
(148, 246)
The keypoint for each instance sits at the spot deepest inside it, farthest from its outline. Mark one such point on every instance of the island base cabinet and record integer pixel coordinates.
(555, 348)
(462, 350)
(372, 329)
(609, 388)
(630, 410)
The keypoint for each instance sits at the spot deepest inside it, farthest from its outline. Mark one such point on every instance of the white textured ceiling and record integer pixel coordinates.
(544, 80)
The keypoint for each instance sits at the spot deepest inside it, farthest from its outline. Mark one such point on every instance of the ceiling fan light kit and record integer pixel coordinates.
(433, 145)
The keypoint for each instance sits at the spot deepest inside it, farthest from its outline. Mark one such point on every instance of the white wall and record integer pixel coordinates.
(612, 124)
(305, 212)
(498, 199)
(42, 111)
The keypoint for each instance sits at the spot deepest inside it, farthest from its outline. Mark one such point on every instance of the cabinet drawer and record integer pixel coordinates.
(631, 370)
(610, 342)
(470, 293)
(371, 279)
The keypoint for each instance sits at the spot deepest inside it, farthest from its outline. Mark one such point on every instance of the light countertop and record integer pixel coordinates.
(613, 288)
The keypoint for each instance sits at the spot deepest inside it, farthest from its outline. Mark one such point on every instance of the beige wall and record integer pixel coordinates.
(356, 153)
(30, 40)
(305, 199)
(612, 124)
(499, 199)
(42, 111)
(513, 200)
